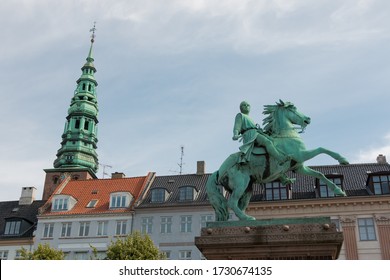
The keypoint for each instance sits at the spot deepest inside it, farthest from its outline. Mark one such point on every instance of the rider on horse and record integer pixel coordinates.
(253, 135)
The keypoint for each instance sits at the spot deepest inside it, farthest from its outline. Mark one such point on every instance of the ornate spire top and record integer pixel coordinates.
(93, 29)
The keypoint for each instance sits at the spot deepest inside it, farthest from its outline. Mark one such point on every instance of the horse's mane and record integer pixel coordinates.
(272, 110)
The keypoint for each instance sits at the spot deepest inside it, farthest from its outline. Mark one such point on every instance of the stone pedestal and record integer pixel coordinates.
(274, 239)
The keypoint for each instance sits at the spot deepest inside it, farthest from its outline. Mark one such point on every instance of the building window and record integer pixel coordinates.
(120, 227)
(102, 228)
(56, 179)
(77, 124)
(48, 230)
(204, 219)
(381, 184)
(66, 229)
(3, 255)
(185, 255)
(84, 229)
(158, 195)
(324, 191)
(120, 200)
(166, 224)
(185, 223)
(60, 204)
(276, 191)
(337, 223)
(12, 227)
(92, 203)
(147, 225)
(366, 229)
(81, 256)
(186, 193)
(86, 125)
(167, 254)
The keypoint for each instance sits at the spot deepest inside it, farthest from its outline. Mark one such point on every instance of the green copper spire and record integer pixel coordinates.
(78, 146)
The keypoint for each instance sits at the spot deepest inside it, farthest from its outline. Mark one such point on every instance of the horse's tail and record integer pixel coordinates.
(216, 198)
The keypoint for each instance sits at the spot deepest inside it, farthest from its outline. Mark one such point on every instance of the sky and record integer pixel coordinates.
(172, 74)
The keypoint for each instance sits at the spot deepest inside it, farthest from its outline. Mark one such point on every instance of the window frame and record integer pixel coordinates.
(187, 193)
(275, 190)
(322, 189)
(204, 219)
(120, 227)
(60, 204)
(146, 225)
(120, 200)
(66, 229)
(4, 254)
(185, 255)
(379, 185)
(166, 224)
(186, 224)
(48, 230)
(366, 231)
(102, 228)
(84, 228)
(158, 195)
(12, 227)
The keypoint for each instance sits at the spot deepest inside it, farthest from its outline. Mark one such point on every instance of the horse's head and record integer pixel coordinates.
(283, 117)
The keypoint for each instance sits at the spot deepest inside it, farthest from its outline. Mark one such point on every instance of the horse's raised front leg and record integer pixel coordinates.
(316, 174)
(239, 183)
(309, 154)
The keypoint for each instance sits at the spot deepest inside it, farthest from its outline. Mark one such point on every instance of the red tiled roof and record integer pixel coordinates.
(86, 190)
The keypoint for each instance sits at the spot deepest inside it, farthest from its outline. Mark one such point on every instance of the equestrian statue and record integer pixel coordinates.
(265, 156)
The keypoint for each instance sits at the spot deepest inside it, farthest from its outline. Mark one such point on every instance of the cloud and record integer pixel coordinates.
(370, 153)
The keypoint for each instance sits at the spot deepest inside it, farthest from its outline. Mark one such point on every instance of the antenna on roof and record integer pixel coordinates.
(181, 161)
(104, 169)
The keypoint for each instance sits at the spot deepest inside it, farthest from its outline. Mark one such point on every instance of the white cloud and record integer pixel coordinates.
(370, 153)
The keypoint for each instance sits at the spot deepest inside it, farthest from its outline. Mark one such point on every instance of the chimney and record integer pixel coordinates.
(118, 175)
(381, 159)
(200, 167)
(28, 195)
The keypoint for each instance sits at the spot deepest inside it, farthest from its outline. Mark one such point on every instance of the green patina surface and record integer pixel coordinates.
(283, 150)
(269, 222)
(79, 140)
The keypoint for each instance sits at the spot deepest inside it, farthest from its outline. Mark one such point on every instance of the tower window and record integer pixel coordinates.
(89, 87)
(83, 86)
(86, 125)
(77, 124)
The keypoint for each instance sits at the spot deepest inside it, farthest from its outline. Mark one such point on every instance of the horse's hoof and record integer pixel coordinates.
(343, 161)
(340, 193)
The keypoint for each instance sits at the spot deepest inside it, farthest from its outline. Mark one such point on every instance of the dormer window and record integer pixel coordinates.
(120, 200)
(60, 204)
(12, 227)
(276, 191)
(379, 183)
(187, 193)
(323, 190)
(158, 195)
(63, 203)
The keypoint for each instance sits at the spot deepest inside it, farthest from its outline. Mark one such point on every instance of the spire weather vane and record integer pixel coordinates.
(93, 29)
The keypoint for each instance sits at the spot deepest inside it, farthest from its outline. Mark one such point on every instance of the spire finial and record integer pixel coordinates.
(93, 29)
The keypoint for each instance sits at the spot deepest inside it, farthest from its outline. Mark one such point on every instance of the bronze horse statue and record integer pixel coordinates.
(237, 178)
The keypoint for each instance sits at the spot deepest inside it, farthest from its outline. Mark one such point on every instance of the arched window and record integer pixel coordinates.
(187, 193)
(158, 195)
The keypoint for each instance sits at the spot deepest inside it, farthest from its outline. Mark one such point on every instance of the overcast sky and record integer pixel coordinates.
(172, 74)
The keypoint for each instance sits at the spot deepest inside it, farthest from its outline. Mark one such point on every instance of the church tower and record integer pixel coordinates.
(77, 157)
